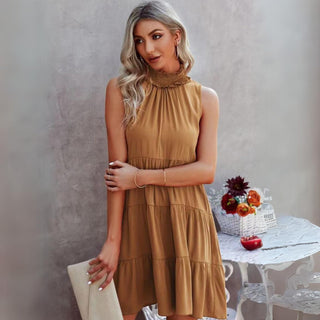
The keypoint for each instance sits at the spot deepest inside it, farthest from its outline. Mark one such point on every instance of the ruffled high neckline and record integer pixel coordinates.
(165, 79)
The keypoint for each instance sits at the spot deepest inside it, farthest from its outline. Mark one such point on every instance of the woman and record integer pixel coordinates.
(161, 245)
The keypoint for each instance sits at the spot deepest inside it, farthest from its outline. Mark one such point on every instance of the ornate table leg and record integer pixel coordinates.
(269, 290)
(243, 266)
(227, 265)
(268, 284)
(231, 313)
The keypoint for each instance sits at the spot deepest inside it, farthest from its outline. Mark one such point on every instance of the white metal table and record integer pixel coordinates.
(292, 240)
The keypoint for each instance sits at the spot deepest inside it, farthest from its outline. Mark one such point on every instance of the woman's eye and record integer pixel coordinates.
(155, 37)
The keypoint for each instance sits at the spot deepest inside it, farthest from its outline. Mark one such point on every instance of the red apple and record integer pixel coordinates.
(251, 243)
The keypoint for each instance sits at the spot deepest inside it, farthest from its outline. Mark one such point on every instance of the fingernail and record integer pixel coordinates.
(100, 289)
(89, 282)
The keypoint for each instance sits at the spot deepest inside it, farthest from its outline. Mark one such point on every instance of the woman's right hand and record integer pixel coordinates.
(105, 263)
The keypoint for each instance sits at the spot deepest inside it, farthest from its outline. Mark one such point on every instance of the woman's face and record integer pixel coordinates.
(153, 39)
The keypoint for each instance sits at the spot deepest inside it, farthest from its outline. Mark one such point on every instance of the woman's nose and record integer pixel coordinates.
(149, 47)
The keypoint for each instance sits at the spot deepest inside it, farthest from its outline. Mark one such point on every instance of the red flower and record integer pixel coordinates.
(229, 203)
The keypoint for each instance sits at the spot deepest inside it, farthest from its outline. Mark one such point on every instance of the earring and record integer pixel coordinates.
(176, 49)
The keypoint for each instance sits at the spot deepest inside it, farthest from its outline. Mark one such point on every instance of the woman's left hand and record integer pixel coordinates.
(121, 178)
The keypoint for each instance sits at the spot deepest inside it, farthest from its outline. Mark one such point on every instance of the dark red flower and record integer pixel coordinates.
(229, 203)
(237, 186)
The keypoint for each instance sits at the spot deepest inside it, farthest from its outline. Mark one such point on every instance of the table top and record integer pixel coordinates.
(291, 240)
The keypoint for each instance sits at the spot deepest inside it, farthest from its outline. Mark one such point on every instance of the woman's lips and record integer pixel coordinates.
(154, 59)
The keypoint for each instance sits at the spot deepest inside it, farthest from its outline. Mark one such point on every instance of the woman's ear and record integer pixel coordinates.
(177, 37)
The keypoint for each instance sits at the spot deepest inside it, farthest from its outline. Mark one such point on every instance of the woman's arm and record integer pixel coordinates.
(117, 149)
(107, 261)
(202, 171)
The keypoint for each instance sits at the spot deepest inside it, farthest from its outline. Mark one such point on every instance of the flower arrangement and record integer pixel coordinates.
(238, 208)
(237, 200)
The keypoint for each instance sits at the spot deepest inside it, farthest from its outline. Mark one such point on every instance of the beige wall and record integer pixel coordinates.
(260, 56)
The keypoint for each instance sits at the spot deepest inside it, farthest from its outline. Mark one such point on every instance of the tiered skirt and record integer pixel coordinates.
(170, 253)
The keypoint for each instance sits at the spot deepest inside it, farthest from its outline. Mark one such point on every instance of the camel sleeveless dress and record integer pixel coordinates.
(169, 252)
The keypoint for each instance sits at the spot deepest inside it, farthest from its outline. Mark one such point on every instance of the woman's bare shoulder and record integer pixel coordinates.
(114, 100)
(208, 93)
(112, 86)
(209, 99)
(113, 89)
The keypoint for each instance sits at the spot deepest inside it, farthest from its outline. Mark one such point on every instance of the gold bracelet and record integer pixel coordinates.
(164, 176)
(135, 179)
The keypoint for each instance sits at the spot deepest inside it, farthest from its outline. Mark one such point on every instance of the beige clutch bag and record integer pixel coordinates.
(93, 304)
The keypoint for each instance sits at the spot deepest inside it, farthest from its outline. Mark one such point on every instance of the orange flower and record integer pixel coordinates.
(243, 209)
(252, 209)
(253, 198)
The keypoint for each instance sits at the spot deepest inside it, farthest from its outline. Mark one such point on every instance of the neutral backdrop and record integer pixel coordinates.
(261, 57)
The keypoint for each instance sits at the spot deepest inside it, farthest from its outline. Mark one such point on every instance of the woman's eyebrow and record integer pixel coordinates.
(135, 35)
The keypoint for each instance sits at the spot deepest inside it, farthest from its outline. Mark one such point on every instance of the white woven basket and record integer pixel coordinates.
(234, 224)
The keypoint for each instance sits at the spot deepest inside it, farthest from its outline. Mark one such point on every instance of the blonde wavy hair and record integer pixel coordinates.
(133, 71)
